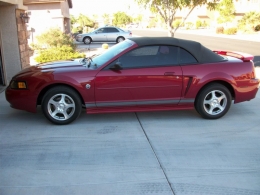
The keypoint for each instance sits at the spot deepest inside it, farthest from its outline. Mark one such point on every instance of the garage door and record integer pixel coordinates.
(1, 70)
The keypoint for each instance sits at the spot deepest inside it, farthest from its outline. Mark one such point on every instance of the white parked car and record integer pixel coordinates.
(104, 34)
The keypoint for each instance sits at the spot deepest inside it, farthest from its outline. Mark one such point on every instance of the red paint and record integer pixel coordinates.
(176, 84)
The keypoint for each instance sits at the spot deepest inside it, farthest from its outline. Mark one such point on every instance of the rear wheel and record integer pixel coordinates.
(61, 105)
(120, 39)
(213, 101)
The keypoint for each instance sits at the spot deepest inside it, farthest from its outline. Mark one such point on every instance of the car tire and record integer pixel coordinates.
(120, 39)
(61, 105)
(87, 40)
(213, 101)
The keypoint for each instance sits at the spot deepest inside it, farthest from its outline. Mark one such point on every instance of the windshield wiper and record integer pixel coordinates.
(89, 60)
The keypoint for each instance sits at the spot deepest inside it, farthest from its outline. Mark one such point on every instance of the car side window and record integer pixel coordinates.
(101, 30)
(112, 30)
(186, 57)
(150, 56)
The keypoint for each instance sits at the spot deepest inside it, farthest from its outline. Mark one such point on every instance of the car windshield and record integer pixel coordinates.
(99, 60)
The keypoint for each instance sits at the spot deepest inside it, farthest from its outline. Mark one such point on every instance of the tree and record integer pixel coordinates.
(73, 20)
(106, 18)
(85, 21)
(139, 18)
(121, 19)
(226, 11)
(249, 21)
(168, 8)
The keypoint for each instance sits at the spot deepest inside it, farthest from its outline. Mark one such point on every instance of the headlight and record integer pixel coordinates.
(79, 36)
(18, 85)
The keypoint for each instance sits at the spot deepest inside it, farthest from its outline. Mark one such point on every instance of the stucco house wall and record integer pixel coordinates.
(65, 9)
(44, 16)
(14, 49)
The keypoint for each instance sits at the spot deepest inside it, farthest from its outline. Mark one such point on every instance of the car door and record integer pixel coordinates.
(112, 34)
(100, 35)
(146, 78)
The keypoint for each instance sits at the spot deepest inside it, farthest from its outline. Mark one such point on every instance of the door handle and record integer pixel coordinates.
(169, 73)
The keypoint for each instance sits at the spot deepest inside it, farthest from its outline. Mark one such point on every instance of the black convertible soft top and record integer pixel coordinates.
(201, 53)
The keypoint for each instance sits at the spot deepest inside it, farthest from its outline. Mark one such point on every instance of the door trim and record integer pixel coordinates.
(138, 103)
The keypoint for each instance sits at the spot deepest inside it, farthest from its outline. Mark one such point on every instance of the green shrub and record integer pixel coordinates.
(176, 23)
(198, 24)
(257, 28)
(205, 24)
(53, 37)
(220, 30)
(249, 22)
(230, 31)
(188, 25)
(77, 29)
(58, 53)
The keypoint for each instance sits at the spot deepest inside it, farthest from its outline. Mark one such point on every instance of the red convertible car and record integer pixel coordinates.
(138, 74)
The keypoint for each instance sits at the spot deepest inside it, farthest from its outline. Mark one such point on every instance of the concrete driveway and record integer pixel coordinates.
(166, 153)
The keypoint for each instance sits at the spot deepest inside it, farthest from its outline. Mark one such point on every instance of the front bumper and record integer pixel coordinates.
(79, 39)
(21, 99)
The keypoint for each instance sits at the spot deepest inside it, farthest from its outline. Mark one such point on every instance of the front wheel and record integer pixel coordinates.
(61, 105)
(87, 40)
(213, 101)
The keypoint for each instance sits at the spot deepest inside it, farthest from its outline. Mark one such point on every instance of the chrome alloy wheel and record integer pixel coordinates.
(215, 102)
(61, 107)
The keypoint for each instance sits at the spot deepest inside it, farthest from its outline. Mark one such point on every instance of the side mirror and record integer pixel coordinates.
(116, 66)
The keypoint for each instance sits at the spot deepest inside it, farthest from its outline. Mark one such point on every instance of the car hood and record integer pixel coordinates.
(84, 34)
(62, 64)
(76, 65)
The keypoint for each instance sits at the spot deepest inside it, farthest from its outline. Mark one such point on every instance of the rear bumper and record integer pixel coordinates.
(248, 92)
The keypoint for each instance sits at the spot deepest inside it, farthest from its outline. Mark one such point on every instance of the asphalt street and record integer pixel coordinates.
(163, 153)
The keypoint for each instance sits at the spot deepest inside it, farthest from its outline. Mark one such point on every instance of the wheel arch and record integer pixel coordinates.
(87, 37)
(120, 36)
(45, 89)
(224, 83)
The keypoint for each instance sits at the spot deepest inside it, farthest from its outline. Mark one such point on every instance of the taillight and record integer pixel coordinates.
(253, 75)
(130, 33)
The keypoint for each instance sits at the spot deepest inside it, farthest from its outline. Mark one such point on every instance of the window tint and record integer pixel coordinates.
(101, 30)
(186, 57)
(144, 51)
(111, 30)
(150, 56)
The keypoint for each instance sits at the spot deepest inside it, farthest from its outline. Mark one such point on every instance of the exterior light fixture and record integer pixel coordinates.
(25, 18)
